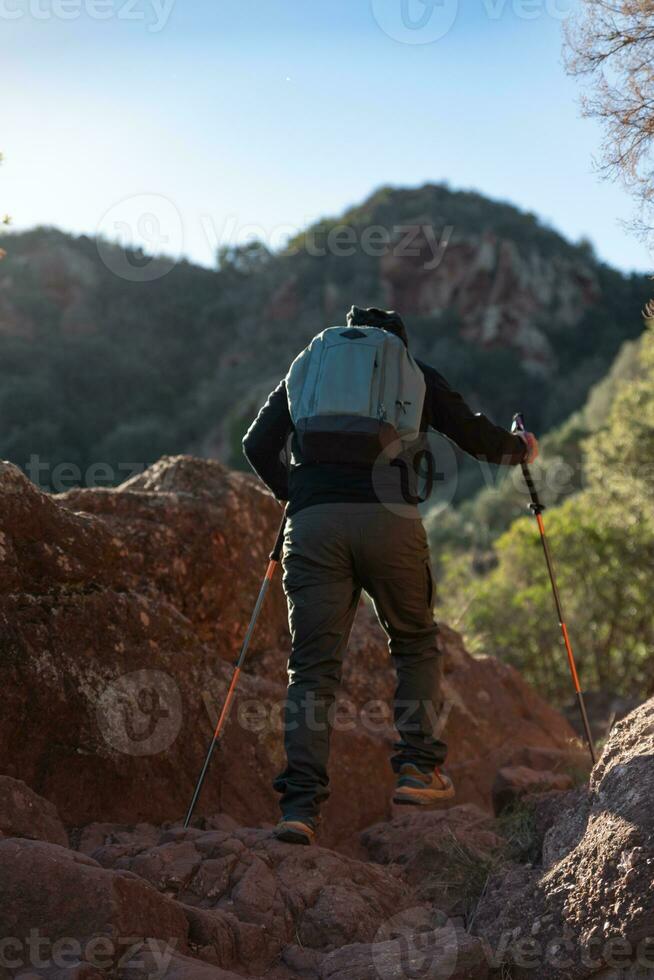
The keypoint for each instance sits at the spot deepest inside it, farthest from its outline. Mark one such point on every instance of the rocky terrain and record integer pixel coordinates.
(120, 613)
(589, 902)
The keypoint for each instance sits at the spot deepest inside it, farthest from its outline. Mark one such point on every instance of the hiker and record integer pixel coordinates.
(327, 442)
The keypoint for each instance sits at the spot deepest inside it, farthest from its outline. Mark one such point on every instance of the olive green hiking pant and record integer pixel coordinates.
(332, 552)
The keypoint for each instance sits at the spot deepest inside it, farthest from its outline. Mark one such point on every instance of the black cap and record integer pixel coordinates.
(384, 319)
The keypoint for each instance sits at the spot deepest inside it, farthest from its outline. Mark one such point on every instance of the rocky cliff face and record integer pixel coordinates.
(587, 908)
(505, 297)
(119, 611)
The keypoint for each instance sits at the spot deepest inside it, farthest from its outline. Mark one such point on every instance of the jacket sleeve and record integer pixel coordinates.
(448, 413)
(264, 443)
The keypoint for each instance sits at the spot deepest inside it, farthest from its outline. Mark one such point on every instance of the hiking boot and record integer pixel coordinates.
(295, 831)
(418, 788)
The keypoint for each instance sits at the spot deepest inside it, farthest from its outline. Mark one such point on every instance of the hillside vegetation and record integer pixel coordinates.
(559, 472)
(603, 538)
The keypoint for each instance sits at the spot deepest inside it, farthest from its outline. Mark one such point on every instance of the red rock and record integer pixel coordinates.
(513, 784)
(121, 613)
(25, 814)
(251, 896)
(439, 852)
(492, 713)
(413, 949)
(153, 961)
(64, 574)
(303, 962)
(200, 535)
(63, 894)
(214, 935)
(498, 291)
(94, 836)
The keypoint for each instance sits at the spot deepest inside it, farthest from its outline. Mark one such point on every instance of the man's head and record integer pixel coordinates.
(384, 319)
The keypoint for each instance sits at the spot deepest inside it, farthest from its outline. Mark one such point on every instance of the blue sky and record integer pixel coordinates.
(183, 123)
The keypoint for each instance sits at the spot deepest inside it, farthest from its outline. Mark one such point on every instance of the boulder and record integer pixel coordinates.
(445, 855)
(49, 895)
(199, 534)
(588, 907)
(410, 946)
(513, 783)
(154, 960)
(23, 813)
(115, 682)
(491, 716)
(573, 761)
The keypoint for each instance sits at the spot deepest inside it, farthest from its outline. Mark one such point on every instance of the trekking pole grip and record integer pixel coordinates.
(536, 505)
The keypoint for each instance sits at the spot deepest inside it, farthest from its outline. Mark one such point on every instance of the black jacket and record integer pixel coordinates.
(445, 411)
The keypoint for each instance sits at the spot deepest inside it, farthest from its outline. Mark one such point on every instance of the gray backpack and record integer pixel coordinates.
(353, 394)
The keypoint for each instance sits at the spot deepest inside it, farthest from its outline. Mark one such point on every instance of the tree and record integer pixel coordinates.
(619, 458)
(612, 42)
(604, 556)
(245, 260)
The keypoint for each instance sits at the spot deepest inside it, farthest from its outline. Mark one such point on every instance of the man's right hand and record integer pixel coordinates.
(531, 442)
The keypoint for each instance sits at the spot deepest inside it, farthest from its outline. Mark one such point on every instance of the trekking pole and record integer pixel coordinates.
(537, 508)
(273, 561)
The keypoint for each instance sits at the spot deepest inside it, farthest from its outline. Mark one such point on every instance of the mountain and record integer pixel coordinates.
(98, 369)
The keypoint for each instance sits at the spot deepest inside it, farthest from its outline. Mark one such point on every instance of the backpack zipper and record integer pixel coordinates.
(316, 386)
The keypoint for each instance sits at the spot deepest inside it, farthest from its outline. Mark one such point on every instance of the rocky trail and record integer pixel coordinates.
(120, 614)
